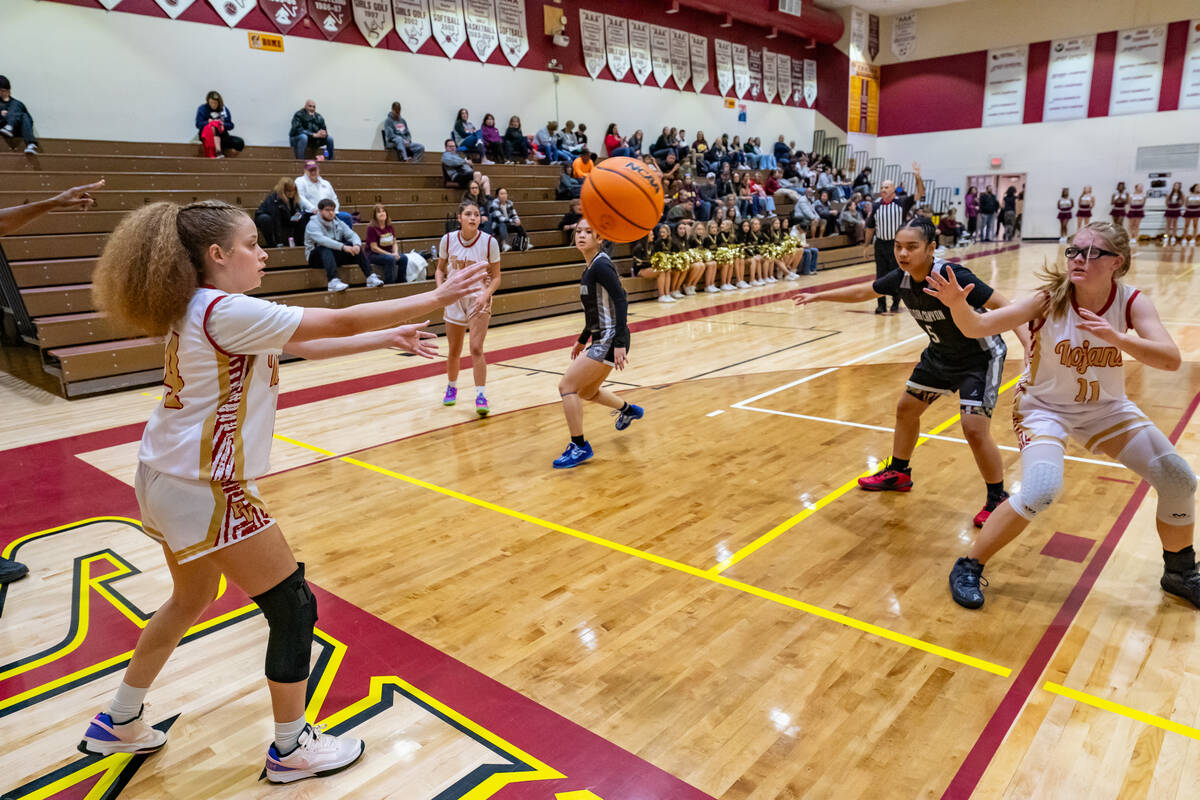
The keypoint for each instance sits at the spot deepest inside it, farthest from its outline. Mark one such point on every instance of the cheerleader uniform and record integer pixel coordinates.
(1086, 201)
(1174, 207)
(1192, 207)
(725, 250)
(1119, 201)
(1137, 206)
(660, 255)
(1065, 204)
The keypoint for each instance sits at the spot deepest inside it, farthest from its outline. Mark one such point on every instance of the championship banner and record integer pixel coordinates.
(616, 41)
(232, 11)
(797, 80)
(174, 7)
(863, 113)
(904, 34)
(1004, 86)
(699, 61)
(859, 26)
(873, 36)
(639, 50)
(481, 27)
(510, 25)
(681, 58)
(810, 82)
(1137, 71)
(756, 76)
(412, 22)
(783, 74)
(660, 53)
(373, 18)
(591, 38)
(331, 16)
(741, 70)
(446, 19)
(1069, 78)
(1189, 89)
(724, 59)
(768, 68)
(284, 14)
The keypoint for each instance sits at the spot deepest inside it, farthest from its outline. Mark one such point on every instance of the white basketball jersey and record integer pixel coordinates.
(221, 382)
(459, 254)
(1070, 365)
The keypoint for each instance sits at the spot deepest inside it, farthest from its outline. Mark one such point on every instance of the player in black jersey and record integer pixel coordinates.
(951, 363)
(604, 312)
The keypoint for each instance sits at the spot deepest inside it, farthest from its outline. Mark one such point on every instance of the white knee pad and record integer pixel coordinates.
(1150, 454)
(1041, 480)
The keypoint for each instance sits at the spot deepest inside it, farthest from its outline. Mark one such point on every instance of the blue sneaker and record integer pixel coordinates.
(573, 456)
(624, 418)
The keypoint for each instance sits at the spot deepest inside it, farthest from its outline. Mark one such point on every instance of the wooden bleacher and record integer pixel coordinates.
(50, 262)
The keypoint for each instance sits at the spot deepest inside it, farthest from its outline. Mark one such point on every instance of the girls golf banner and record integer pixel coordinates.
(373, 18)
(639, 50)
(616, 40)
(412, 22)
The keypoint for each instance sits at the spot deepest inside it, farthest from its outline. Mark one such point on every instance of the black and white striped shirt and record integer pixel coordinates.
(886, 218)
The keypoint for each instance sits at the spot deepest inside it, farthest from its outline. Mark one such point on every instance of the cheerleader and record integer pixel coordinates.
(702, 263)
(724, 254)
(762, 252)
(739, 254)
(1120, 200)
(660, 261)
(643, 265)
(748, 245)
(1137, 212)
(1173, 212)
(1083, 215)
(1065, 204)
(711, 229)
(1191, 213)
(680, 259)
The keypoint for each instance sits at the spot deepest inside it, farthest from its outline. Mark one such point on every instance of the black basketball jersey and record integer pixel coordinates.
(605, 306)
(946, 341)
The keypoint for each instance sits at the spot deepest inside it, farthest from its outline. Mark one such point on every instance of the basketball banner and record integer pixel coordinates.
(639, 50)
(1004, 86)
(510, 26)
(724, 59)
(741, 70)
(783, 74)
(699, 61)
(1189, 89)
(681, 60)
(481, 27)
(810, 82)
(412, 22)
(331, 16)
(373, 19)
(283, 13)
(660, 53)
(446, 19)
(616, 44)
(754, 63)
(174, 7)
(232, 11)
(591, 38)
(1069, 78)
(768, 68)
(1137, 71)
(797, 80)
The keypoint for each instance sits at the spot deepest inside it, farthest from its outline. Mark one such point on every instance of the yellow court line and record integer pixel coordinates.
(306, 446)
(1124, 711)
(796, 519)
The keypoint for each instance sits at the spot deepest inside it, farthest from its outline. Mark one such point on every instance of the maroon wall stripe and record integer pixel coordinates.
(1035, 86)
(934, 94)
(1172, 76)
(1102, 73)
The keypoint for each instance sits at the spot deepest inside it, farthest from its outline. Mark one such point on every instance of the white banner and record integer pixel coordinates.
(412, 22)
(755, 63)
(110, 4)
(783, 74)
(810, 82)
(724, 58)
(904, 34)
(446, 17)
(373, 18)
(510, 27)
(797, 80)
(1189, 90)
(174, 7)
(741, 70)
(660, 53)
(481, 27)
(1069, 78)
(681, 58)
(1137, 71)
(1004, 86)
(859, 25)
(699, 61)
(591, 38)
(232, 11)
(639, 50)
(616, 40)
(768, 69)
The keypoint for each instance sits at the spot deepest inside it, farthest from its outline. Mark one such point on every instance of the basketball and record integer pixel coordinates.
(622, 199)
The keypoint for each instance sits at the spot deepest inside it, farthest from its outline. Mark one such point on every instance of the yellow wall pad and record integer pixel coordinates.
(1124, 711)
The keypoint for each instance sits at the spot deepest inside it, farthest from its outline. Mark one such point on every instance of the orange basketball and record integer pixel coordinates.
(622, 199)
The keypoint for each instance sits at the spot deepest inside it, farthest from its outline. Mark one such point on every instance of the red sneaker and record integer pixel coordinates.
(987, 510)
(886, 480)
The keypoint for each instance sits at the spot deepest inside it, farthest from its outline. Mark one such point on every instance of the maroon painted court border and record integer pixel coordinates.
(976, 763)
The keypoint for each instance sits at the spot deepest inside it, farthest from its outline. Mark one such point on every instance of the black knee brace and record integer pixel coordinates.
(291, 611)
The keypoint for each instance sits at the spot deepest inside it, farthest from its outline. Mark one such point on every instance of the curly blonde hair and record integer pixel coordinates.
(154, 260)
(1056, 277)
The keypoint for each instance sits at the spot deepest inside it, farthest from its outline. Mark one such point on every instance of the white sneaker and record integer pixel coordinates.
(337, 285)
(374, 280)
(504, 248)
(711, 289)
(678, 295)
(1172, 241)
(742, 285)
(31, 148)
(771, 279)
(689, 290)
(486, 162)
(666, 298)
(758, 282)
(727, 287)
(1062, 240)
(6, 131)
(316, 755)
(104, 737)
(791, 276)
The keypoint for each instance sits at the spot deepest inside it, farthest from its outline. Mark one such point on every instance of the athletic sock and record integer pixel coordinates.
(579, 440)
(625, 409)
(287, 735)
(479, 391)
(452, 384)
(900, 464)
(995, 491)
(127, 703)
(1182, 562)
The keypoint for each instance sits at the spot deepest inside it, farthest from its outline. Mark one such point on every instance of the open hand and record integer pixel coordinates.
(78, 197)
(576, 349)
(620, 359)
(1098, 326)
(946, 288)
(463, 282)
(483, 305)
(804, 298)
(414, 339)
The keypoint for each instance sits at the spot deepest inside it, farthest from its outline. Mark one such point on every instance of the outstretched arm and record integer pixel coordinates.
(1153, 346)
(12, 219)
(973, 324)
(846, 294)
(998, 301)
(410, 338)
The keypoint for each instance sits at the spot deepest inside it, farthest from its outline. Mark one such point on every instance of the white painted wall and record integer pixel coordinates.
(132, 77)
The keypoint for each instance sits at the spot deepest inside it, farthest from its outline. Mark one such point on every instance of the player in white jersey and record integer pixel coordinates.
(181, 273)
(469, 315)
(1074, 386)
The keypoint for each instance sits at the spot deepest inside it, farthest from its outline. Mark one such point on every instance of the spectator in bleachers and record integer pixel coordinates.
(824, 180)
(700, 147)
(706, 198)
(308, 128)
(732, 208)
(493, 142)
(635, 144)
(776, 185)
(581, 135)
(582, 165)
(663, 144)
(506, 225)
(949, 225)
(723, 185)
(669, 166)
(214, 123)
(782, 153)
(477, 195)
(614, 143)
(851, 221)
(516, 146)
(842, 184)
(737, 151)
(329, 242)
(805, 216)
(279, 217)
(458, 171)
(823, 205)
(312, 188)
(15, 120)
(567, 140)
(547, 142)
(398, 137)
(862, 182)
(383, 248)
(466, 137)
(571, 218)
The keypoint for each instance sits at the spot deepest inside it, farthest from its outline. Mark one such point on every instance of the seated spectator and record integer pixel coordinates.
(776, 185)
(516, 146)
(782, 153)
(679, 139)
(383, 248)
(851, 221)
(312, 188)
(466, 138)
(15, 120)
(862, 182)
(506, 225)
(214, 122)
(669, 166)
(700, 148)
(804, 216)
(397, 136)
(732, 210)
(582, 165)
(459, 172)
(614, 143)
(663, 145)
(824, 180)
(482, 199)
(706, 197)
(824, 208)
(279, 217)
(635, 144)
(571, 218)
(308, 128)
(949, 225)
(547, 142)
(567, 140)
(581, 135)
(492, 140)
(723, 185)
(329, 242)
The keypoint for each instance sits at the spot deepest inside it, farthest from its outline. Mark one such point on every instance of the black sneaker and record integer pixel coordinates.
(12, 570)
(1182, 584)
(966, 582)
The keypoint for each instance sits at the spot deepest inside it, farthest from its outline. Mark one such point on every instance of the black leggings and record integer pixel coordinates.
(885, 262)
(330, 260)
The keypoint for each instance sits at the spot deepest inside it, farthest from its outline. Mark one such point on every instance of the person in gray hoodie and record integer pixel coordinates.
(329, 243)
(398, 137)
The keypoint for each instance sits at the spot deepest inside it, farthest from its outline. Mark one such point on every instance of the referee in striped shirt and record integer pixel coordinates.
(887, 216)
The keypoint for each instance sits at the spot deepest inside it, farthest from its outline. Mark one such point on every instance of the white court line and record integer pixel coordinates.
(808, 378)
(718, 412)
(881, 428)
